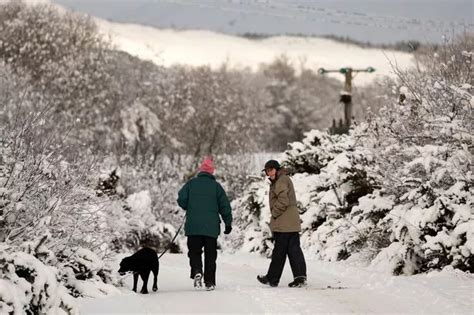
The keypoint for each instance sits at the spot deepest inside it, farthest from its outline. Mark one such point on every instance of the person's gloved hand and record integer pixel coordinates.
(228, 229)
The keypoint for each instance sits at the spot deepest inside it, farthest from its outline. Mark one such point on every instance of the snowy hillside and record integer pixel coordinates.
(196, 48)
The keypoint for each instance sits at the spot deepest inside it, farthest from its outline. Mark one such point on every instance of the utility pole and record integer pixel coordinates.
(346, 95)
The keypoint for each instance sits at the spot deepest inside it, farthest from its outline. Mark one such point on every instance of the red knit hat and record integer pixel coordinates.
(207, 165)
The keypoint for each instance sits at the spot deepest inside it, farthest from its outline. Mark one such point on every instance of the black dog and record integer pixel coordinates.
(141, 263)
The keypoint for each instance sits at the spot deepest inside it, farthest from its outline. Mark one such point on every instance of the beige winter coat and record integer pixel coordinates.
(285, 214)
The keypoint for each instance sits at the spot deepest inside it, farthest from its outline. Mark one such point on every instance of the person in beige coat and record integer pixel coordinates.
(285, 225)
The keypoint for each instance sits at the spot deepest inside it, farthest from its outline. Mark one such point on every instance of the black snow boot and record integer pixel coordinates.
(266, 281)
(210, 286)
(299, 282)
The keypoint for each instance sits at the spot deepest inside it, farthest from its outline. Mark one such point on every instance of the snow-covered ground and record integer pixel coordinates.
(333, 288)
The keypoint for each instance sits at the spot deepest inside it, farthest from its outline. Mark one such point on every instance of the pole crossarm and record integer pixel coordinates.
(346, 95)
(345, 70)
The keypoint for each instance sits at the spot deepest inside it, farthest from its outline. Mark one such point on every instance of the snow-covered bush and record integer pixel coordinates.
(423, 144)
(31, 287)
(315, 151)
(252, 216)
(432, 220)
(50, 216)
(45, 190)
(43, 193)
(83, 273)
(138, 226)
(143, 194)
(335, 194)
(36, 281)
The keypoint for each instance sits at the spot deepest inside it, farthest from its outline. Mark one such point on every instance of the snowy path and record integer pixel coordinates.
(356, 290)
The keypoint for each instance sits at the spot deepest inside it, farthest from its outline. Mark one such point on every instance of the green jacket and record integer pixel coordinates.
(204, 200)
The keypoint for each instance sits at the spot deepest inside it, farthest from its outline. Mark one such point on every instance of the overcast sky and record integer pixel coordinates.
(380, 21)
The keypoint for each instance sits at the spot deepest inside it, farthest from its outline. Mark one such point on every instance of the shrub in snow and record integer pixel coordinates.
(315, 151)
(38, 249)
(334, 194)
(136, 225)
(42, 192)
(84, 263)
(365, 232)
(29, 286)
(85, 274)
(205, 111)
(253, 217)
(433, 224)
(423, 146)
(34, 280)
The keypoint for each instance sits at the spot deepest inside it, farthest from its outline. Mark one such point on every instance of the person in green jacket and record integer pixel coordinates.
(204, 200)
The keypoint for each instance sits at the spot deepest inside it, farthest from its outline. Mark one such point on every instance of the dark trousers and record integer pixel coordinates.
(195, 245)
(286, 244)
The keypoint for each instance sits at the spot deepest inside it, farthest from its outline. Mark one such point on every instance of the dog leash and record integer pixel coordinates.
(174, 238)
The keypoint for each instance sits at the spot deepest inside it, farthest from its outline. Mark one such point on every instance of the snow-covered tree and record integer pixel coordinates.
(63, 57)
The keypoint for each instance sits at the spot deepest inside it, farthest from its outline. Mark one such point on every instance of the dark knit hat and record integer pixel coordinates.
(272, 164)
